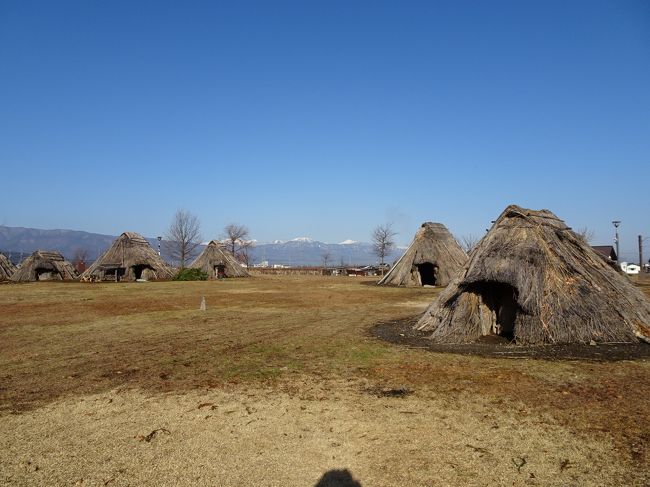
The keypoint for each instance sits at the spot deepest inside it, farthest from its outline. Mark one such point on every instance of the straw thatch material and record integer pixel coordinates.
(533, 280)
(217, 262)
(433, 258)
(130, 257)
(44, 265)
(7, 268)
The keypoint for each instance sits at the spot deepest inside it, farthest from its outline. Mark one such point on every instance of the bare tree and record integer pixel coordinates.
(236, 235)
(383, 242)
(79, 259)
(183, 236)
(238, 243)
(325, 258)
(468, 242)
(244, 252)
(586, 234)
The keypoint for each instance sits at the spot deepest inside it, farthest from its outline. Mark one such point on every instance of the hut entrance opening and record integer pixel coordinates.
(428, 273)
(44, 274)
(220, 271)
(139, 269)
(501, 299)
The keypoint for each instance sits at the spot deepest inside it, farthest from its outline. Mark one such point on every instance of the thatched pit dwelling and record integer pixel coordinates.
(7, 268)
(433, 258)
(218, 262)
(129, 258)
(44, 265)
(534, 281)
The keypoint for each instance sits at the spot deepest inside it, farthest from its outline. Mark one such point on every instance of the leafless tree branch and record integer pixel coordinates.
(468, 242)
(79, 259)
(586, 234)
(325, 258)
(183, 236)
(383, 241)
(238, 242)
(244, 252)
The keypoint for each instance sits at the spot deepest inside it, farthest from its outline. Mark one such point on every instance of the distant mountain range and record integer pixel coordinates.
(18, 242)
(305, 251)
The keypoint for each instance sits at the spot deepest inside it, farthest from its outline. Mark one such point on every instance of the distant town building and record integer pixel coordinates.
(607, 251)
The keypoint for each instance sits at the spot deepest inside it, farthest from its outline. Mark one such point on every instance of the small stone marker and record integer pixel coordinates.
(202, 308)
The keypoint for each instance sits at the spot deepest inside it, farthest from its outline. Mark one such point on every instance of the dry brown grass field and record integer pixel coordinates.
(279, 381)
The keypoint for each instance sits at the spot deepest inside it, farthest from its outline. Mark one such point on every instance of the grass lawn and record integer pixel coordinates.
(279, 382)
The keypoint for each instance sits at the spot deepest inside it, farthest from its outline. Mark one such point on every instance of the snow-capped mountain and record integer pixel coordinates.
(18, 243)
(306, 251)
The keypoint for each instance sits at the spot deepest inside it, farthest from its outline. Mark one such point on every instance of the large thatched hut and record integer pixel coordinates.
(44, 265)
(532, 280)
(129, 258)
(218, 262)
(433, 258)
(7, 268)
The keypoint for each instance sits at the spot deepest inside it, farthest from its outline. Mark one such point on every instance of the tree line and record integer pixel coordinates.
(184, 236)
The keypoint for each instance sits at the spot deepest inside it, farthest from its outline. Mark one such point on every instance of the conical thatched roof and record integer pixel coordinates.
(434, 257)
(6, 268)
(533, 280)
(44, 265)
(130, 257)
(216, 261)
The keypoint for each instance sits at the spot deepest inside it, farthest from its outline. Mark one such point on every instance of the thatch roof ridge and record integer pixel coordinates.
(7, 268)
(135, 238)
(49, 254)
(563, 291)
(216, 254)
(434, 244)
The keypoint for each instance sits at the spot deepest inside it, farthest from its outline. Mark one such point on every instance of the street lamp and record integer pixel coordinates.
(616, 224)
(159, 239)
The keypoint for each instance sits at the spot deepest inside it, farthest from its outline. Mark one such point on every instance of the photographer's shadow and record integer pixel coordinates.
(337, 478)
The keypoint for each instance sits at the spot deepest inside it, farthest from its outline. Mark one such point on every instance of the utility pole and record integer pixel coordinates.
(616, 225)
(640, 252)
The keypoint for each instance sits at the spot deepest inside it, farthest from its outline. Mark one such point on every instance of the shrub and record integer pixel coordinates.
(191, 275)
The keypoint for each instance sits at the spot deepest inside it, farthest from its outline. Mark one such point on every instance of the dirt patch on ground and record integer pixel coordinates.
(401, 332)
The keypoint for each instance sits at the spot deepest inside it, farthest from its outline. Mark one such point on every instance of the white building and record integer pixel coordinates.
(630, 268)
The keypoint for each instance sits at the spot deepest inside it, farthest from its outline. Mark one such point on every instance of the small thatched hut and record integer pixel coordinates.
(433, 258)
(6, 268)
(44, 265)
(218, 262)
(532, 280)
(129, 258)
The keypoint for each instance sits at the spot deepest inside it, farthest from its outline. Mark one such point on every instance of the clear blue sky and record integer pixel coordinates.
(324, 119)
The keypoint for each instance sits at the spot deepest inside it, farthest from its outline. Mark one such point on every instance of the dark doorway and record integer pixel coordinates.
(502, 300)
(220, 271)
(139, 269)
(43, 274)
(428, 273)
